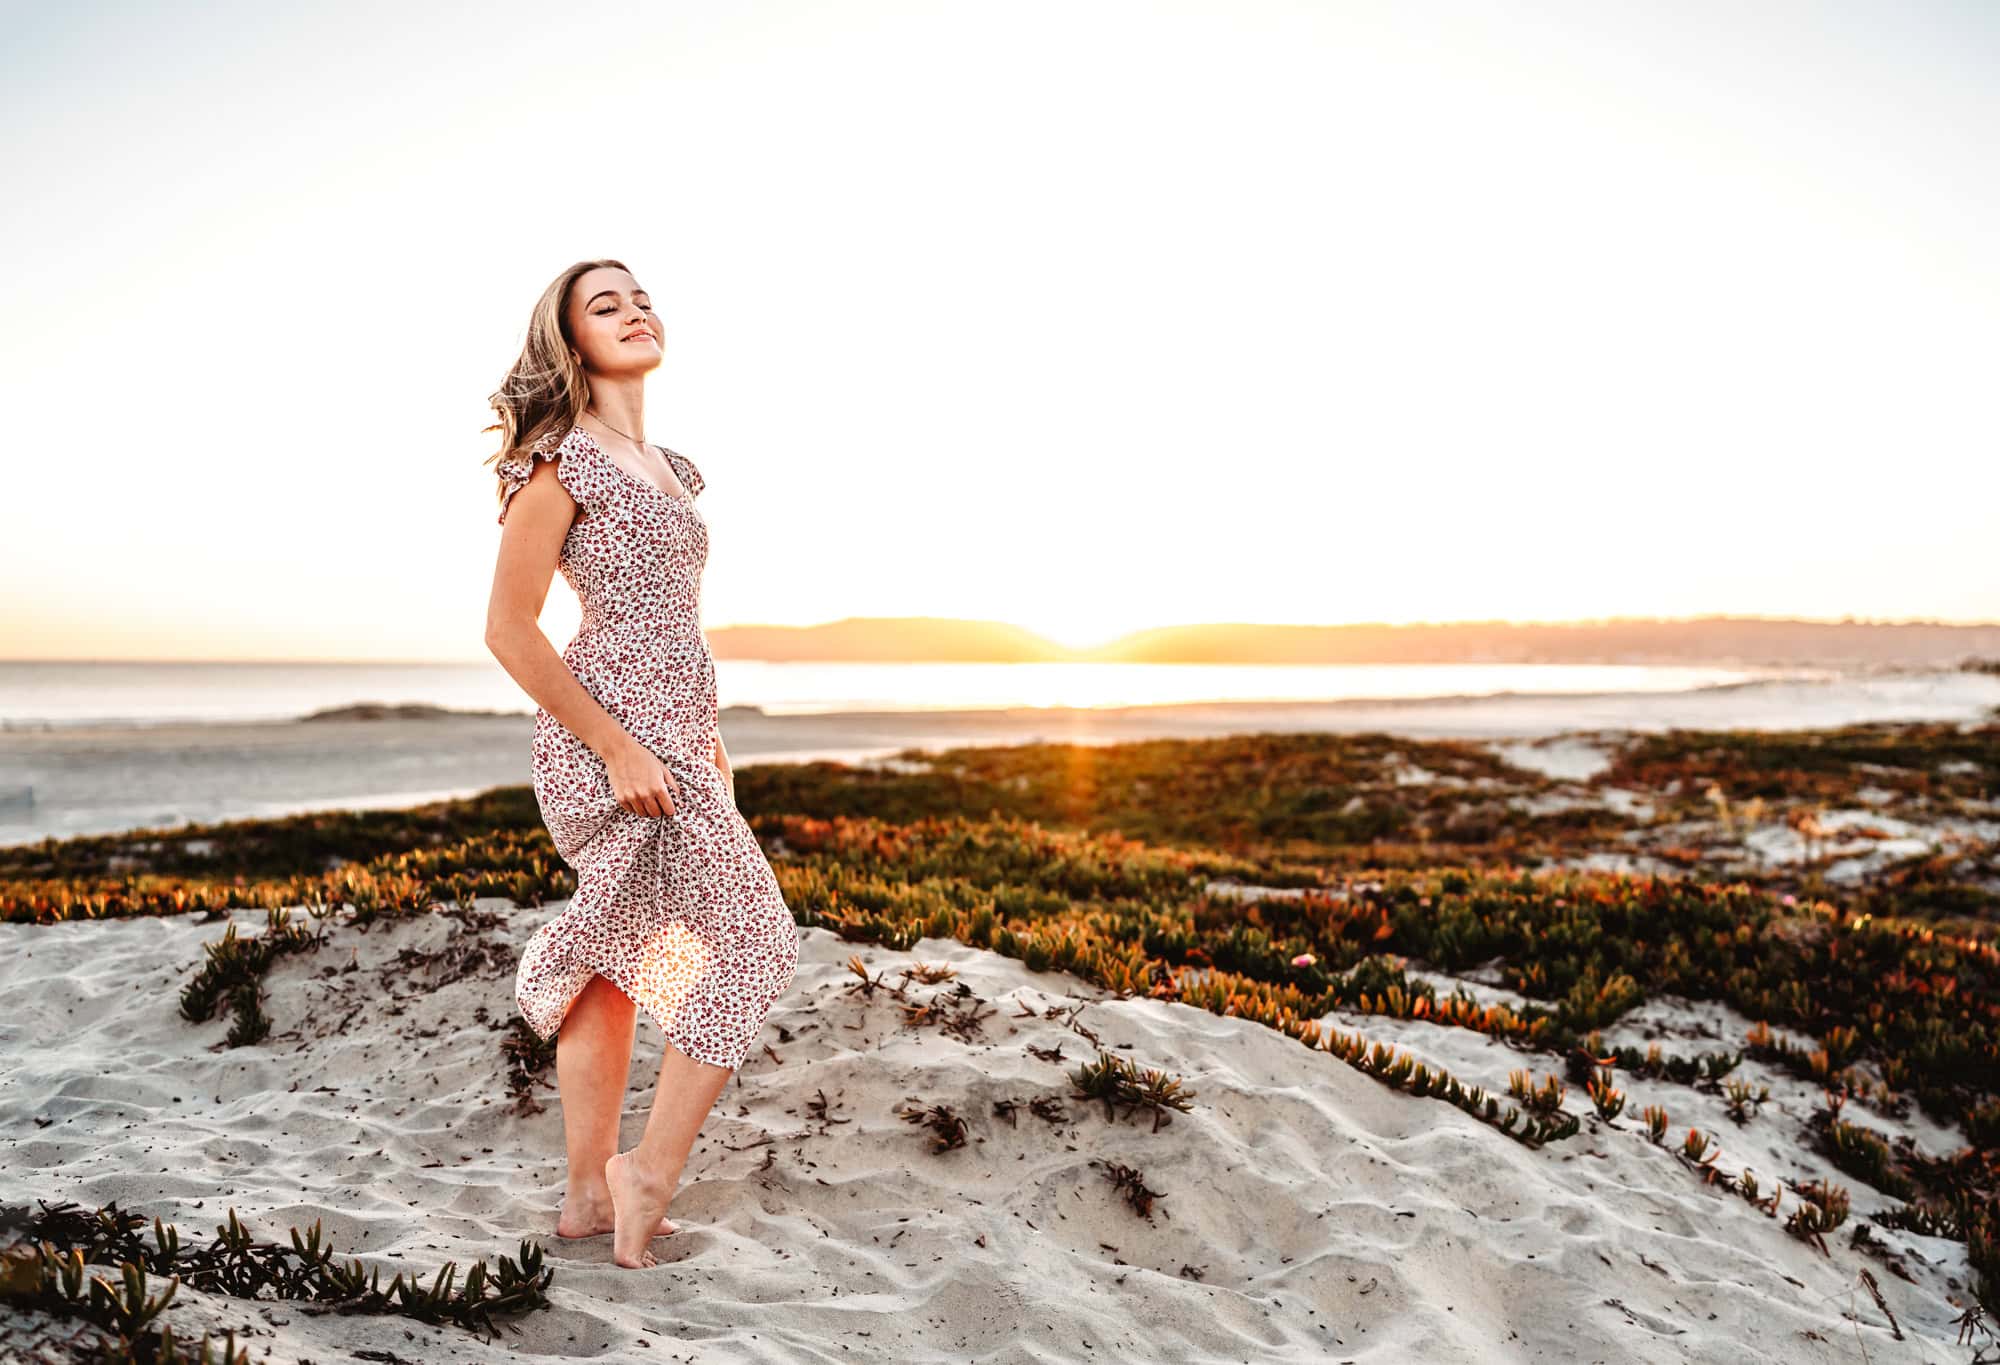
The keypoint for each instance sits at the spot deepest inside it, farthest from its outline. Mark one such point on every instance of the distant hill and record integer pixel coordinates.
(1743, 640)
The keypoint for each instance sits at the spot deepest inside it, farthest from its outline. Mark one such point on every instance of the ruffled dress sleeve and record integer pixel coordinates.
(515, 471)
(685, 471)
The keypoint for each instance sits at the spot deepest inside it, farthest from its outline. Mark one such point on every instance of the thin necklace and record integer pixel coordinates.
(600, 417)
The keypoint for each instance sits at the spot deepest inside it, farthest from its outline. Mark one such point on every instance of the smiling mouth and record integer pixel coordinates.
(642, 336)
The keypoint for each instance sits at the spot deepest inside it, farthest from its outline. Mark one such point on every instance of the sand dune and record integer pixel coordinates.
(1305, 1211)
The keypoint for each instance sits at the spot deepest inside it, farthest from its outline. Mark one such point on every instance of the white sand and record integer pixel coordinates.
(1326, 1216)
(1565, 757)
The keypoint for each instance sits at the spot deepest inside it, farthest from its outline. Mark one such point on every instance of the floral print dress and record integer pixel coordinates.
(681, 912)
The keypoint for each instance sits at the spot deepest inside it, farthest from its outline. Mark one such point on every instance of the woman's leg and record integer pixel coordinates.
(593, 1069)
(643, 1180)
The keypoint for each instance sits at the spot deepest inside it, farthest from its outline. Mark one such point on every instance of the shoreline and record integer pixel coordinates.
(99, 779)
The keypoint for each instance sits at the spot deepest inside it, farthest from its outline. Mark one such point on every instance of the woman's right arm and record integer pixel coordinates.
(531, 537)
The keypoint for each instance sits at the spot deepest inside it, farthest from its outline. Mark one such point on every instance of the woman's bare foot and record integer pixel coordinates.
(588, 1213)
(638, 1199)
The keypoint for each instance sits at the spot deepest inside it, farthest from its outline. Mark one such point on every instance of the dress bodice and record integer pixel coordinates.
(634, 556)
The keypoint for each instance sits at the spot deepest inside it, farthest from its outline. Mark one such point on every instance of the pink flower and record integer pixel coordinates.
(1304, 960)
(1788, 899)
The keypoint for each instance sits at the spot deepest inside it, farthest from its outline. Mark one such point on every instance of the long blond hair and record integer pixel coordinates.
(545, 391)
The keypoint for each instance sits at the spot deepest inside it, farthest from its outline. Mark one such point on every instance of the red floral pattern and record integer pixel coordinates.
(682, 913)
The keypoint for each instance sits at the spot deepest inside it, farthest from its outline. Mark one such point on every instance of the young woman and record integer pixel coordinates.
(676, 908)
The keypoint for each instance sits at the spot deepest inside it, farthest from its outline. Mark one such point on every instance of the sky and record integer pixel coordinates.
(1084, 317)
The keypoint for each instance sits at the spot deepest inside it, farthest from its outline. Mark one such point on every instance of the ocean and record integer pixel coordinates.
(47, 695)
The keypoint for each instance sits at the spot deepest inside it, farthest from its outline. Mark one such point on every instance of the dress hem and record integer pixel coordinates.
(674, 1037)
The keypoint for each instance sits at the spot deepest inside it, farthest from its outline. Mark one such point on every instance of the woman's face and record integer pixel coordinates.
(612, 319)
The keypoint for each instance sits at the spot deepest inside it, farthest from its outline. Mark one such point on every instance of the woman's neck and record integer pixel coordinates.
(625, 420)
